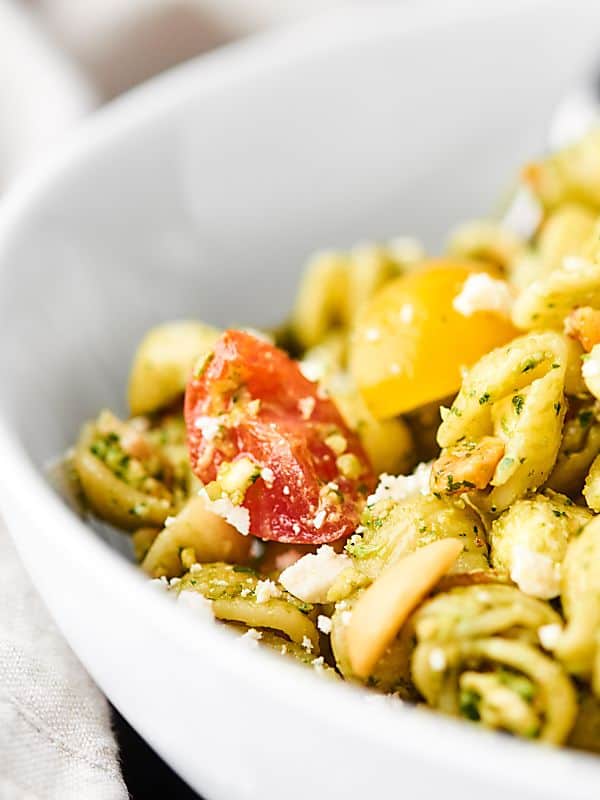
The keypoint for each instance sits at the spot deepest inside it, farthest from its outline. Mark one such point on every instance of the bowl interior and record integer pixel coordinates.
(202, 196)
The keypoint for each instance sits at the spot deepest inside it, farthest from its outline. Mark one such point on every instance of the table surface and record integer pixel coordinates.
(145, 774)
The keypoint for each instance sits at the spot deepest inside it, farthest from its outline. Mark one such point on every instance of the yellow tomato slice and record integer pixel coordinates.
(410, 343)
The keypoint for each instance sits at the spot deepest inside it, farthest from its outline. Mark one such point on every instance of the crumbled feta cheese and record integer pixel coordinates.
(296, 528)
(265, 590)
(246, 592)
(251, 637)
(208, 426)
(195, 568)
(286, 490)
(401, 487)
(307, 644)
(480, 292)
(313, 369)
(535, 573)
(196, 603)
(407, 313)
(345, 617)
(169, 521)
(306, 406)
(319, 519)
(311, 577)
(318, 663)
(238, 516)
(324, 624)
(267, 475)
(437, 659)
(549, 635)
(590, 368)
(174, 581)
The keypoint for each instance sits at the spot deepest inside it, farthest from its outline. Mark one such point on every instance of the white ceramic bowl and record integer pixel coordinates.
(199, 196)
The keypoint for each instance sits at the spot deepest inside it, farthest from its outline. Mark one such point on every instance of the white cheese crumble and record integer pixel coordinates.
(307, 644)
(590, 368)
(174, 581)
(312, 368)
(310, 578)
(286, 490)
(195, 603)
(402, 487)
(549, 635)
(251, 637)
(535, 573)
(208, 426)
(324, 624)
(319, 519)
(480, 292)
(267, 475)
(266, 590)
(195, 568)
(306, 406)
(437, 660)
(246, 592)
(238, 516)
(169, 521)
(345, 617)
(318, 663)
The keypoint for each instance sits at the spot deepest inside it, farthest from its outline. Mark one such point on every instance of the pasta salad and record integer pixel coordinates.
(400, 487)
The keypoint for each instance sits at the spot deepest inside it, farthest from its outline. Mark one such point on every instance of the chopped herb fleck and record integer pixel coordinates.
(518, 401)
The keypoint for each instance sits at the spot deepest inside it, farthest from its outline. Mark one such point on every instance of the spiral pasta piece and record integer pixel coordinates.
(336, 285)
(579, 645)
(529, 541)
(578, 448)
(516, 394)
(548, 301)
(569, 175)
(392, 530)
(477, 656)
(488, 241)
(126, 477)
(235, 596)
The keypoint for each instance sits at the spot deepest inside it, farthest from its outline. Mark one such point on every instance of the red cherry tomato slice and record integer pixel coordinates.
(251, 401)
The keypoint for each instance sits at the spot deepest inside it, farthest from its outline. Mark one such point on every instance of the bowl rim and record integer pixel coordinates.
(400, 731)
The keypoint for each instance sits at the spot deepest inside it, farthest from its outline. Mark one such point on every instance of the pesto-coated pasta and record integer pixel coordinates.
(163, 363)
(268, 489)
(487, 241)
(477, 656)
(529, 541)
(515, 393)
(579, 645)
(394, 529)
(336, 285)
(235, 596)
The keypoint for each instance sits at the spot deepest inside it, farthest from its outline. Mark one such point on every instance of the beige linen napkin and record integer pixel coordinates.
(55, 736)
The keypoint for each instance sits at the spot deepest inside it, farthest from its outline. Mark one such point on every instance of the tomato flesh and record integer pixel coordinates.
(270, 413)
